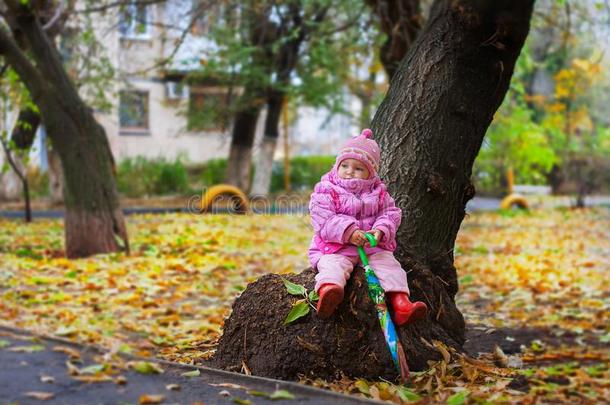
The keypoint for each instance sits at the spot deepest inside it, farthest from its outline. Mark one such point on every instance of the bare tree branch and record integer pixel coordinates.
(118, 3)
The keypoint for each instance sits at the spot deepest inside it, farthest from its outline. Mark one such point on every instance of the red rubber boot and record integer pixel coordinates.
(331, 296)
(406, 311)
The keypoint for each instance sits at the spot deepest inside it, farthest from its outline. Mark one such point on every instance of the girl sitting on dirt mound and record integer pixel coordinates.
(350, 200)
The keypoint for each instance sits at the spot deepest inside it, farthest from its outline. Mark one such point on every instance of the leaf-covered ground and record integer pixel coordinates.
(545, 273)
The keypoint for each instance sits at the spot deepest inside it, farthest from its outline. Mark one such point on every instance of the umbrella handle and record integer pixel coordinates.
(371, 239)
(361, 251)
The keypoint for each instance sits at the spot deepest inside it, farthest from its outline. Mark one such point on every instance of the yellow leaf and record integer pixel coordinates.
(151, 399)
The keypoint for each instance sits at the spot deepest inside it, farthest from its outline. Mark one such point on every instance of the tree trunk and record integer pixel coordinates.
(555, 179)
(56, 178)
(94, 221)
(93, 216)
(22, 173)
(401, 21)
(264, 164)
(431, 126)
(242, 140)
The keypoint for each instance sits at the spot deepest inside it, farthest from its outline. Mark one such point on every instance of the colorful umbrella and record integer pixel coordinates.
(377, 295)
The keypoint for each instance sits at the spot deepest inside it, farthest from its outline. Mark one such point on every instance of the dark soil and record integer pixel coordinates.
(349, 342)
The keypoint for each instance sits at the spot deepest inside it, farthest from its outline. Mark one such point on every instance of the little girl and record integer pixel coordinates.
(349, 201)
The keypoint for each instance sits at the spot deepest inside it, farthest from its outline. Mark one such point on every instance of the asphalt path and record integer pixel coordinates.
(33, 368)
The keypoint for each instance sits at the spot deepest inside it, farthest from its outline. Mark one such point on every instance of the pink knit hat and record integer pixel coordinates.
(362, 148)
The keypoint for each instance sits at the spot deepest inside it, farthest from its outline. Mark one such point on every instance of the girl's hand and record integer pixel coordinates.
(358, 238)
(377, 234)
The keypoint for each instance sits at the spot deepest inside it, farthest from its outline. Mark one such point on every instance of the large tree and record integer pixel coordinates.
(430, 126)
(94, 222)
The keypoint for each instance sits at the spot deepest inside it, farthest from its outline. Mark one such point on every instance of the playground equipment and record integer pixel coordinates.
(240, 201)
(513, 199)
(377, 295)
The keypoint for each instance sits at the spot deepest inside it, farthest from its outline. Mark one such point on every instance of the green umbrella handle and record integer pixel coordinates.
(361, 252)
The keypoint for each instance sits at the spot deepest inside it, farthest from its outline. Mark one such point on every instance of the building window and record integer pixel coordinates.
(207, 111)
(133, 111)
(134, 20)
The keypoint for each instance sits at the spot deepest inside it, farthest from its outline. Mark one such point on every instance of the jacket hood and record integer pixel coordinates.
(356, 186)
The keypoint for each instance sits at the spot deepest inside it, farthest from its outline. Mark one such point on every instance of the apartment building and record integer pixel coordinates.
(154, 113)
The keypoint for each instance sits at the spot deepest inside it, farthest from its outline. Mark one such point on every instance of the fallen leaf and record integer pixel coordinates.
(72, 369)
(93, 369)
(193, 373)
(258, 393)
(26, 349)
(73, 353)
(42, 396)
(499, 357)
(458, 398)
(47, 379)
(240, 401)
(442, 349)
(281, 394)
(93, 378)
(229, 385)
(145, 367)
(151, 399)
(65, 331)
(245, 369)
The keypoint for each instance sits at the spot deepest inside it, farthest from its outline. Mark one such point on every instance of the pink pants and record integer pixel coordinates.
(336, 269)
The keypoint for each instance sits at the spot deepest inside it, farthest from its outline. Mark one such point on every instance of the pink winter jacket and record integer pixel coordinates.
(340, 206)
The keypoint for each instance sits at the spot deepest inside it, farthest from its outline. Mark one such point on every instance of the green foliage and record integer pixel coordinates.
(301, 307)
(140, 176)
(85, 59)
(250, 36)
(514, 140)
(458, 398)
(294, 289)
(305, 172)
(556, 134)
(38, 183)
(213, 172)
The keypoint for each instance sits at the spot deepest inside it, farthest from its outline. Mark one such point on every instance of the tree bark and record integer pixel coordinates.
(430, 126)
(264, 163)
(94, 221)
(56, 178)
(242, 141)
(401, 21)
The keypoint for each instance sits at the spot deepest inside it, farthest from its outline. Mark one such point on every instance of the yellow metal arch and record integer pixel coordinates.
(210, 195)
(514, 200)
